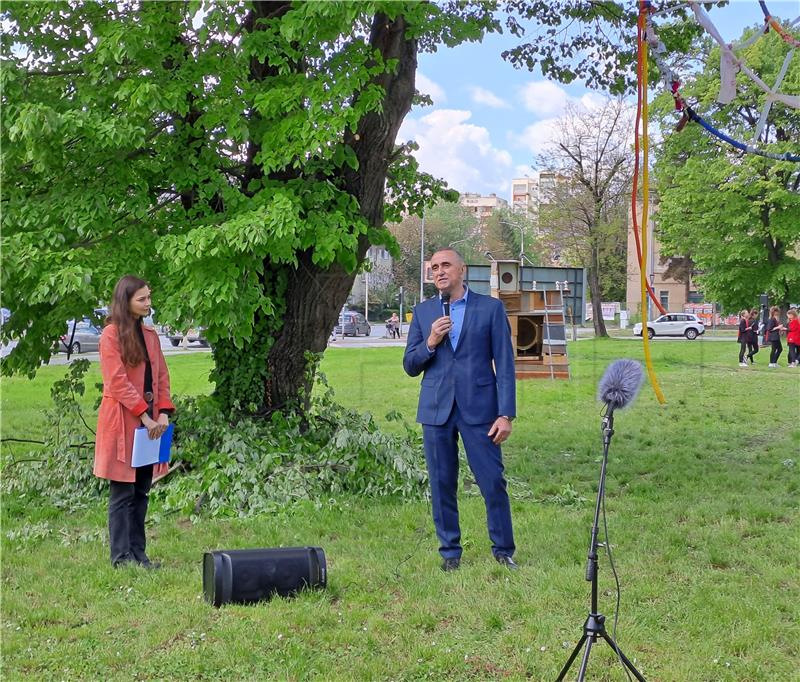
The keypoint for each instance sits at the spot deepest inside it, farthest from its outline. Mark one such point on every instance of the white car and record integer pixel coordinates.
(673, 324)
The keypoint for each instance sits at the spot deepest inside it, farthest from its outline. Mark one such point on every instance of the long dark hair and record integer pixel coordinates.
(129, 345)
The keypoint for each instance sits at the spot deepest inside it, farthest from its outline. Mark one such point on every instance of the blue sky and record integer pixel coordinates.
(489, 119)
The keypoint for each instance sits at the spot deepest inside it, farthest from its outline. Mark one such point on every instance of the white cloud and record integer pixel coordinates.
(428, 87)
(538, 136)
(549, 102)
(483, 96)
(460, 152)
(544, 98)
(523, 171)
(591, 101)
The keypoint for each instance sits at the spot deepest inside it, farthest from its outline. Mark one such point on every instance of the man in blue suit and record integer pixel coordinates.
(467, 390)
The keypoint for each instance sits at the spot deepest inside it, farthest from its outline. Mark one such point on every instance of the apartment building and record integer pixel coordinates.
(529, 193)
(673, 295)
(482, 206)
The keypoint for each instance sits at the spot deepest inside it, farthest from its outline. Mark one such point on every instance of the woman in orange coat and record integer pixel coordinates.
(135, 393)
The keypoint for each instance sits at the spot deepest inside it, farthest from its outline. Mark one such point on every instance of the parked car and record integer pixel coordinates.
(85, 339)
(354, 324)
(192, 335)
(673, 324)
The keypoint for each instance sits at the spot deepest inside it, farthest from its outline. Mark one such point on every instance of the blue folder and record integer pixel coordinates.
(146, 451)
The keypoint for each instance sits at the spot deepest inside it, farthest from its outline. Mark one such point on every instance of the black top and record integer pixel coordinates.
(148, 369)
(743, 330)
(752, 334)
(771, 334)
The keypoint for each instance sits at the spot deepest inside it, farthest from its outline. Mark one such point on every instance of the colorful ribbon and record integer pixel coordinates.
(641, 117)
(776, 26)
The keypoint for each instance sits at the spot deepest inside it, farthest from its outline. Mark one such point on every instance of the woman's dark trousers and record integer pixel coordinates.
(777, 349)
(742, 350)
(753, 345)
(127, 509)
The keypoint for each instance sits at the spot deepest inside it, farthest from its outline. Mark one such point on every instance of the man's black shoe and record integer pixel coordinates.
(507, 561)
(124, 560)
(451, 565)
(150, 565)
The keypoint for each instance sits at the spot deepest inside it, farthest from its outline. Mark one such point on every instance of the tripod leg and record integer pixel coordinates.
(624, 658)
(572, 657)
(585, 661)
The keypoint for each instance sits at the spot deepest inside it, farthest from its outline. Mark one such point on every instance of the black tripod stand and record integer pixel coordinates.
(594, 628)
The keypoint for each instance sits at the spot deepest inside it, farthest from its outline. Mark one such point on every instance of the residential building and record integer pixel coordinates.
(673, 295)
(528, 194)
(378, 277)
(525, 195)
(482, 206)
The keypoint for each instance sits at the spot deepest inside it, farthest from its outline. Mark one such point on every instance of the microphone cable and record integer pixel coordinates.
(616, 583)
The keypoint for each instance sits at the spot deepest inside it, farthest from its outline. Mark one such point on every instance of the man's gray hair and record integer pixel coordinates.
(451, 249)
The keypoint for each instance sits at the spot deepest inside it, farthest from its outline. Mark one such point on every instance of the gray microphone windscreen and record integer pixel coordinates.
(620, 384)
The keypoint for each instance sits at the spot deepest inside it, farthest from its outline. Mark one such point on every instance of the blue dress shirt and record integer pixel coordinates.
(457, 310)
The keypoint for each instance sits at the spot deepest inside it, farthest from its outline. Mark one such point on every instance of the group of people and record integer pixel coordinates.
(749, 328)
(460, 341)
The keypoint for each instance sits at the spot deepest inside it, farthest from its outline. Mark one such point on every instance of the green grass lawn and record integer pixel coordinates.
(702, 504)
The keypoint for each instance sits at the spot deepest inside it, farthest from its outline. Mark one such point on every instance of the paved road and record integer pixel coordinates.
(166, 346)
(377, 339)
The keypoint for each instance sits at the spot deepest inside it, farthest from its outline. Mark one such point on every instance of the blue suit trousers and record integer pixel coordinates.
(485, 460)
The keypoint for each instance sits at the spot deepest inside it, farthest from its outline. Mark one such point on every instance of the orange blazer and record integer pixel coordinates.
(123, 403)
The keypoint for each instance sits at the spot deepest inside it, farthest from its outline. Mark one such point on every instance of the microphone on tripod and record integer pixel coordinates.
(446, 303)
(620, 384)
(618, 388)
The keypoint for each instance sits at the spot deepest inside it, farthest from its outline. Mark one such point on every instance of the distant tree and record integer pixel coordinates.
(446, 224)
(735, 216)
(510, 234)
(585, 211)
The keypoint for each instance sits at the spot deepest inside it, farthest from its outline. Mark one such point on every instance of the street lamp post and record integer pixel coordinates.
(521, 238)
(401, 312)
(457, 241)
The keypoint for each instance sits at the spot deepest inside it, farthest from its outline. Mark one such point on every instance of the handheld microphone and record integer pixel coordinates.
(446, 303)
(620, 384)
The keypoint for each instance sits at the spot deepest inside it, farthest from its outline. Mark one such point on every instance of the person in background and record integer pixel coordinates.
(752, 335)
(773, 335)
(394, 320)
(135, 393)
(793, 337)
(743, 337)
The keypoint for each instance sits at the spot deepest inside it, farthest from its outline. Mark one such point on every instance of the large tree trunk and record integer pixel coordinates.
(593, 274)
(268, 373)
(272, 372)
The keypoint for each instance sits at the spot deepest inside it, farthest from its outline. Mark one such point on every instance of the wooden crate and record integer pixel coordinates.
(511, 300)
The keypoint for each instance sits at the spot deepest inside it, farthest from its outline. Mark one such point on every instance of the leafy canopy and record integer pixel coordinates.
(736, 215)
(201, 145)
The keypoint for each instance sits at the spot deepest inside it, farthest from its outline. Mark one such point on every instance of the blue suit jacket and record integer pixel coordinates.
(465, 376)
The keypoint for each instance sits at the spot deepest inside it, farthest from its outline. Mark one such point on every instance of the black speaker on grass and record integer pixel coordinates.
(244, 576)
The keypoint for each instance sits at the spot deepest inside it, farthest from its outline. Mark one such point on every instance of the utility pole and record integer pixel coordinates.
(422, 259)
(521, 239)
(401, 312)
